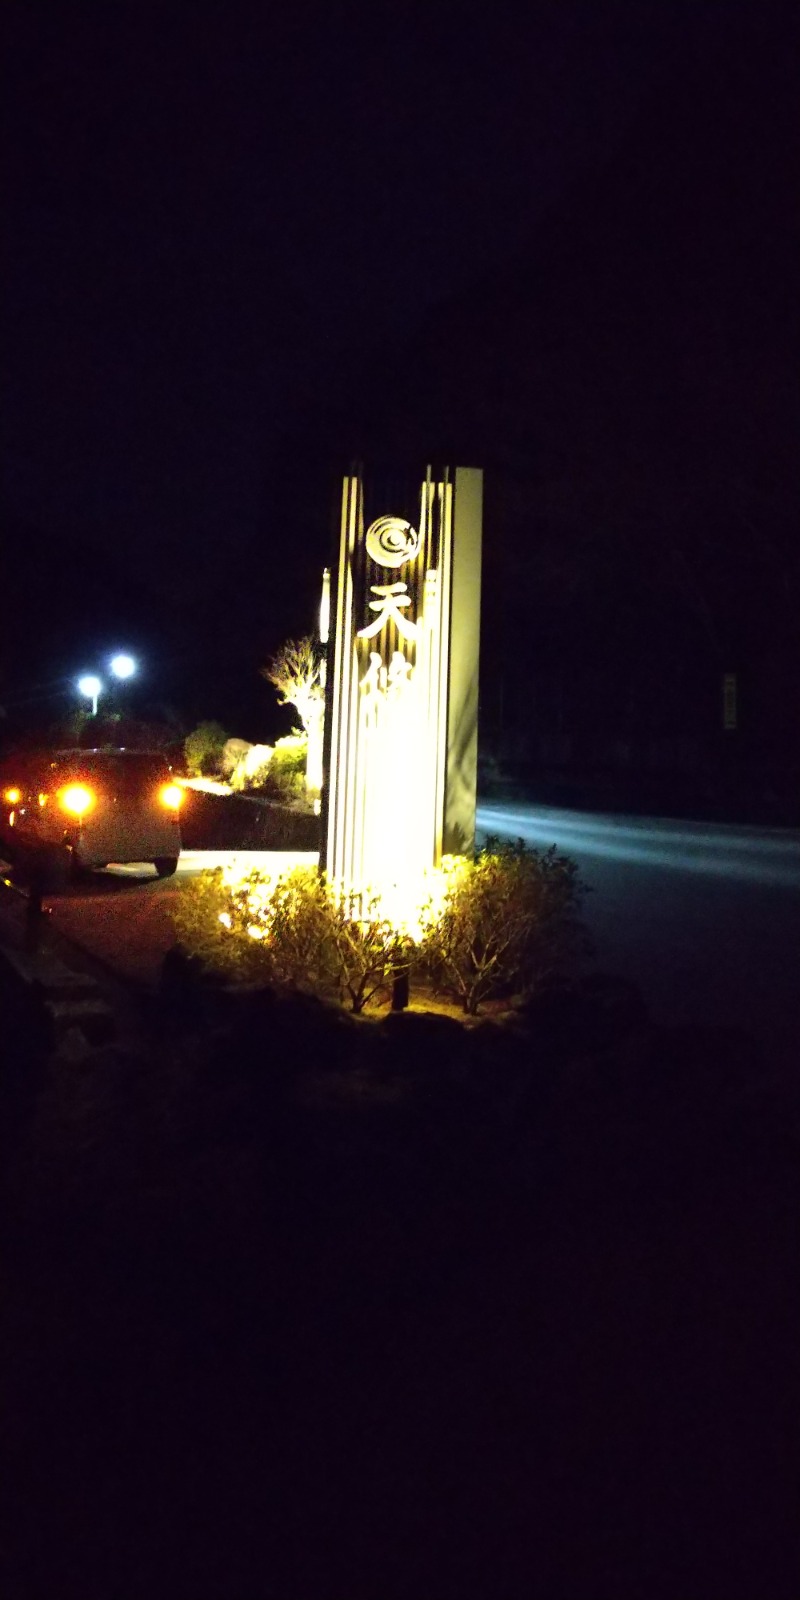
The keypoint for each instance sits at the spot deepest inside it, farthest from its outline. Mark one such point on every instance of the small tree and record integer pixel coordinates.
(295, 672)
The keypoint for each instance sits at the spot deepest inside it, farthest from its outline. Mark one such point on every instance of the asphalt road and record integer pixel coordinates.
(123, 915)
(704, 917)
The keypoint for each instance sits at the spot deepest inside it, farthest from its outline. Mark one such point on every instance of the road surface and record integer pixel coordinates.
(704, 917)
(123, 915)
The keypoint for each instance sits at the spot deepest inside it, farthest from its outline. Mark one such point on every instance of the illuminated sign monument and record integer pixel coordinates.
(401, 724)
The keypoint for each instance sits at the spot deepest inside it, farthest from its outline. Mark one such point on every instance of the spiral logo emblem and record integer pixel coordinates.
(390, 541)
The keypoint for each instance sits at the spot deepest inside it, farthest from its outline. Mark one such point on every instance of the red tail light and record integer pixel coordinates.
(171, 796)
(76, 799)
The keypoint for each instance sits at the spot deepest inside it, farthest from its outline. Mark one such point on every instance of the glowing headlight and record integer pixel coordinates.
(76, 799)
(171, 795)
(12, 796)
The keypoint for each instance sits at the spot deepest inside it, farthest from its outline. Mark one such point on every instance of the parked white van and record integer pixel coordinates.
(86, 808)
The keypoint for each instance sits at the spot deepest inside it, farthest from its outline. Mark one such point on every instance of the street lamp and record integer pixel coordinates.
(123, 666)
(91, 687)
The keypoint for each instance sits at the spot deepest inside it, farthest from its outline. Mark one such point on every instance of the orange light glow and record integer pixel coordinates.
(76, 799)
(13, 796)
(171, 796)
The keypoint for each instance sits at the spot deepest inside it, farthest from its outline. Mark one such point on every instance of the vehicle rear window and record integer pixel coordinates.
(135, 775)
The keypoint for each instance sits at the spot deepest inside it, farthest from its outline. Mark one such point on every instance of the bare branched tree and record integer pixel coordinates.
(295, 672)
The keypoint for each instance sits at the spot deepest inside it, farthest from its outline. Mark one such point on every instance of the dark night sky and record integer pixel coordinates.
(206, 209)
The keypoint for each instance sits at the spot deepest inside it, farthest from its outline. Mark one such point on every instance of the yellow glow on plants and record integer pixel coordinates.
(405, 904)
(502, 925)
(410, 905)
(273, 864)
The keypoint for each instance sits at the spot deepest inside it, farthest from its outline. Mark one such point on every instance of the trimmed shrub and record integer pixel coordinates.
(295, 933)
(251, 772)
(368, 951)
(233, 752)
(210, 921)
(285, 778)
(203, 749)
(508, 925)
(505, 926)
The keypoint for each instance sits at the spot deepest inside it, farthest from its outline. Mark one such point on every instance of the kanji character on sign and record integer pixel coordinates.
(392, 596)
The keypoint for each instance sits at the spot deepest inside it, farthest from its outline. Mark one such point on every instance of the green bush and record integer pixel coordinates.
(508, 927)
(296, 934)
(224, 947)
(285, 777)
(368, 951)
(203, 748)
(250, 772)
(293, 923)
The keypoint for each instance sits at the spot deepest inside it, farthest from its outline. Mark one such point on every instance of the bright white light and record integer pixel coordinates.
(325, 607)
(91, 687)
(123, 666)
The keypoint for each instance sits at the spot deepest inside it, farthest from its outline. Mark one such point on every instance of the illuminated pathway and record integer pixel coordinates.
(704, 917)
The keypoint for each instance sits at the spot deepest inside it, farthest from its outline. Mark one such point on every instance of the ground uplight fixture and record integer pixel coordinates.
(123, 666)
(91, 687)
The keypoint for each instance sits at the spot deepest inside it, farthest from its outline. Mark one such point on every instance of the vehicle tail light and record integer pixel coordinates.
(13, 796)
(171, 796)
(76, 799)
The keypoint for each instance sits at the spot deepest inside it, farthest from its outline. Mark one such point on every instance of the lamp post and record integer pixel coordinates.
(91, 687)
